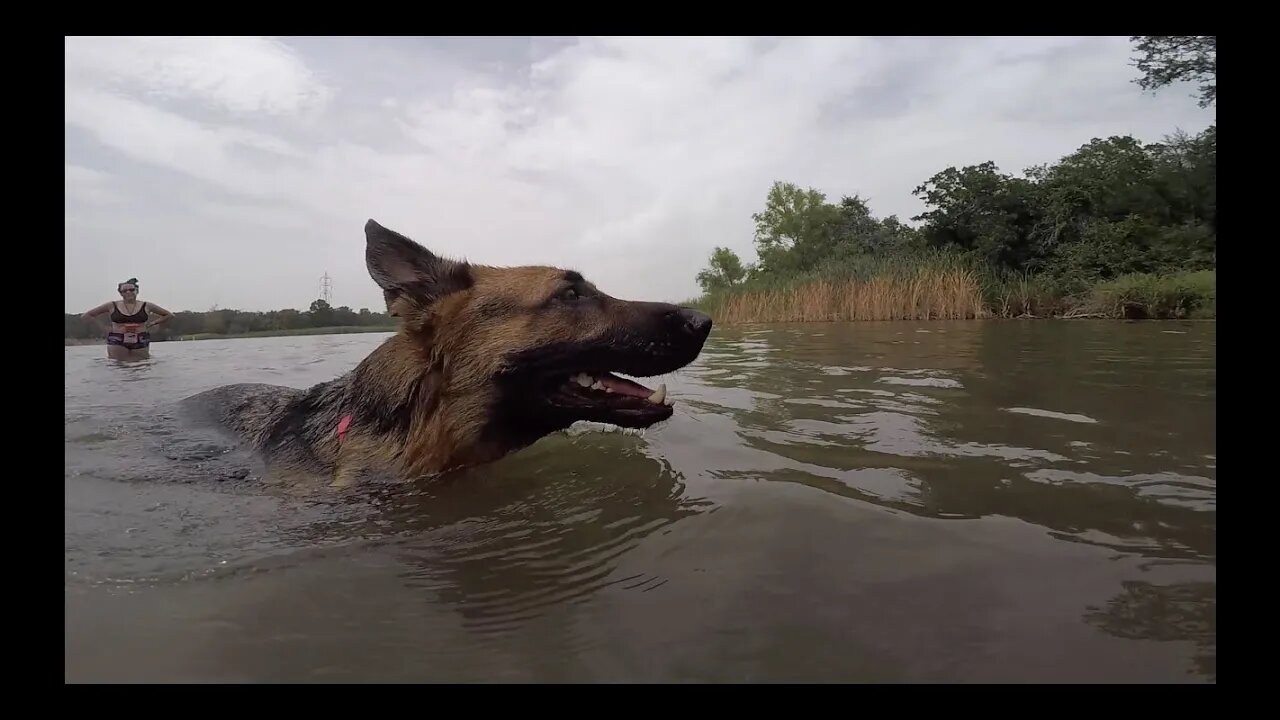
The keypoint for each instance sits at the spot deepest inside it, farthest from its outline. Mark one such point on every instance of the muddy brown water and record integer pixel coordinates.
(865, 502)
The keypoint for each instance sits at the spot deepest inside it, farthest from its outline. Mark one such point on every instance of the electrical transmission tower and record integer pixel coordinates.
(326, 288)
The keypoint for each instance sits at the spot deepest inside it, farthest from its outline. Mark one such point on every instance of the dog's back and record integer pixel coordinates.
(248, 409)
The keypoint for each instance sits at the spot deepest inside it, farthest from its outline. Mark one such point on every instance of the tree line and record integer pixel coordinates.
(235, 322)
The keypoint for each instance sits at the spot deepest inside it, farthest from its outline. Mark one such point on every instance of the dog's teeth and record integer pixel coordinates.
(583, 379)
(669, 401)
(659, 395)
(608, 389)
(597, 386)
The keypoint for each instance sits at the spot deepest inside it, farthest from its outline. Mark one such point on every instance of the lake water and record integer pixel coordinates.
(866, 502)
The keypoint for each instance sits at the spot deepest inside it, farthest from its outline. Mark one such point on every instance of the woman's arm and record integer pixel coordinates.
(95, 312)
(165, 315)
(91, 314)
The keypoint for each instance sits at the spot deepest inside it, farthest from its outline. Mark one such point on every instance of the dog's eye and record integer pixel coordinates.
(569, 295)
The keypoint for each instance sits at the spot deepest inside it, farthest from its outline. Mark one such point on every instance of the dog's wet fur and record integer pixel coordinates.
(485, 361)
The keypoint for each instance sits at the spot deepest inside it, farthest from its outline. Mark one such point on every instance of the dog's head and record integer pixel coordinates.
(525, 351)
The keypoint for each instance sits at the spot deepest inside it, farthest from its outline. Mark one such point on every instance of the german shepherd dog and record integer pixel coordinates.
(485, 361)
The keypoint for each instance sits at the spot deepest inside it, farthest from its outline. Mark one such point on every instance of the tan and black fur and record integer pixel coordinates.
(477, 369)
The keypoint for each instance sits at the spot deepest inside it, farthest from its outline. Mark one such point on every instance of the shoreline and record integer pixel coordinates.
(985, 317)
(936, 291)
(334, 330)
(1025, 318)
(991, 318)
(76, 342)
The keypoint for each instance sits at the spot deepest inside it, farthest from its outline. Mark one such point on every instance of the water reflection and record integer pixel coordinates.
(868, 412)
(1176, 612)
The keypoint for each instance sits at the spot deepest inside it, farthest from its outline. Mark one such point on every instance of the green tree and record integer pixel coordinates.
(858, 232)
(321, 313)
(795, 229)
(1187, 172)
(1166, 59)
(1109, 179)
(724, 271)
(982, 212)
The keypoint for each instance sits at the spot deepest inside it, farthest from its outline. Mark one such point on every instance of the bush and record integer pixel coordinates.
(1148, 296)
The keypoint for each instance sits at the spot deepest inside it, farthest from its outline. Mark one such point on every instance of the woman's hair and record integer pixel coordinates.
(130, 281)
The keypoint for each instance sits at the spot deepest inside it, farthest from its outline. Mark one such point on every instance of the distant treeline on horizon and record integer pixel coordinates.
(236, 322)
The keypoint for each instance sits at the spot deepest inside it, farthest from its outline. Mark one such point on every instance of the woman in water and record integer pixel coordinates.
(130, 319)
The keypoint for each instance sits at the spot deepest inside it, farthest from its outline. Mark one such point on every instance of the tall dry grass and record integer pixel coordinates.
(944, 285)
(923, 293)
(1020, 295)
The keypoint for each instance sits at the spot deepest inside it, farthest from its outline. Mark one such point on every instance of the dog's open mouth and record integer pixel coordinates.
(605, 397)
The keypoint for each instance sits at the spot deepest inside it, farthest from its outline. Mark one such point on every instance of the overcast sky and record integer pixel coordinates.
(237, 171)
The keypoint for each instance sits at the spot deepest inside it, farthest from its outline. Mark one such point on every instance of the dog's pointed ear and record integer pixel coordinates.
(402, 267)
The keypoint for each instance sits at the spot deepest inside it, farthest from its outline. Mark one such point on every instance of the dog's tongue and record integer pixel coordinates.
(622, 386)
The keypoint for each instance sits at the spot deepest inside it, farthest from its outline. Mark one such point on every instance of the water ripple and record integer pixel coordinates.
(814, 484)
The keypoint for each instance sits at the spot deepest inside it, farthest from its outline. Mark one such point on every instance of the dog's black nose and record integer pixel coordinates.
(695, 323)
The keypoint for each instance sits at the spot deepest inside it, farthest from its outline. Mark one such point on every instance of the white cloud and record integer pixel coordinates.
(626, 158)
(90, 186)
(236, 74)
(166, 139)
